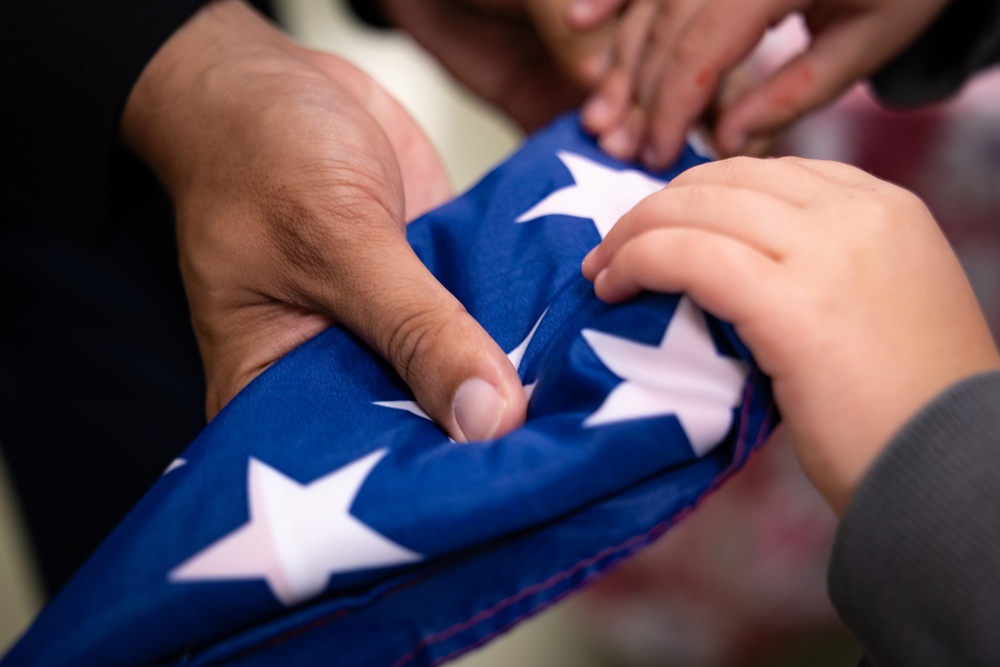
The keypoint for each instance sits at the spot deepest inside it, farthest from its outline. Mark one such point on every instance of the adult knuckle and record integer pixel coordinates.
(689, 48)
(686, 49)
(415, 338)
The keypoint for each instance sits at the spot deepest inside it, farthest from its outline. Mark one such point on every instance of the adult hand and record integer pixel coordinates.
(495, 49)
(288, 170)
(583, 55)
(673, 54)
(842, 285)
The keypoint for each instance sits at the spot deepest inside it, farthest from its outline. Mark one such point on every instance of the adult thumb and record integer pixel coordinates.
(458, 374)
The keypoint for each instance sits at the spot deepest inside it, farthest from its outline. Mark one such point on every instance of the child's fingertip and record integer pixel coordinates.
(600, 282)
(588, 266)
(606, 291)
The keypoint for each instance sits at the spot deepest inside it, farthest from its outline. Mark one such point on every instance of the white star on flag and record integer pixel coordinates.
(298, 535)
(515, 356)
(600, 193)
(407, 406)
(174, 465)
(684, 376)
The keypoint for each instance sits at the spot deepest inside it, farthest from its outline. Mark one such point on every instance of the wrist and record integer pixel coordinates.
(164, 105)
(839, 468)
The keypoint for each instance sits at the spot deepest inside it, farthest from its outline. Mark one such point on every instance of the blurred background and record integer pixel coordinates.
(742, 582)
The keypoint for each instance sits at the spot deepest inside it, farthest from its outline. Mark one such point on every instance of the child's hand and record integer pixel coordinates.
(841, 284)
(672, 56)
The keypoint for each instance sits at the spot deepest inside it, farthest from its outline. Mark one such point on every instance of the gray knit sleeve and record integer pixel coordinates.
(915, 570)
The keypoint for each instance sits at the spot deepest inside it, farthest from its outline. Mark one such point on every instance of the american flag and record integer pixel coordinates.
(322, 518)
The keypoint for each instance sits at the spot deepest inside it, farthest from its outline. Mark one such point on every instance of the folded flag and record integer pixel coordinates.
(322, 518)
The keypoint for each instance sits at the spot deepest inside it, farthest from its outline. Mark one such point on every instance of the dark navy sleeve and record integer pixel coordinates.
(370, 12)
(965, 39)
(67, 69)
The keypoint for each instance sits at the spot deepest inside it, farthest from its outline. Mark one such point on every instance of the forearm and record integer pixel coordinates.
(914, 569)
(962, 41)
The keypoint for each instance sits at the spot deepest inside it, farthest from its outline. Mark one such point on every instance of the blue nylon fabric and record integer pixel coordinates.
(505, 527)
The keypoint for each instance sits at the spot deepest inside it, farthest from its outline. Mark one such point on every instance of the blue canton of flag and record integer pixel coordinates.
(321, 518)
